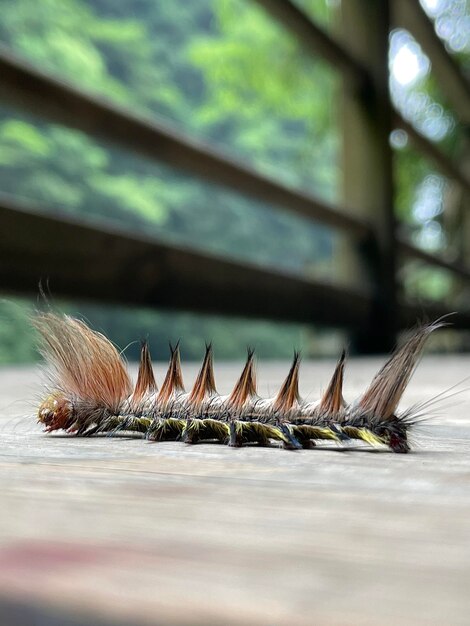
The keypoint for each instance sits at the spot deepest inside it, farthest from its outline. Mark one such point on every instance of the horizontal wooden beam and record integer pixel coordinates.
(455, 86)
(313, 38)
(457, 269)
(445, 165)
(79, 260)
(24, 86)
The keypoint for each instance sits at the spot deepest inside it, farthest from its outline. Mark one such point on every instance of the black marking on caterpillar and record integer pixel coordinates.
(91, 393)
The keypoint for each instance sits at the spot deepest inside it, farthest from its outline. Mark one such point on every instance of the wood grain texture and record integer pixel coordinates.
(121, 531)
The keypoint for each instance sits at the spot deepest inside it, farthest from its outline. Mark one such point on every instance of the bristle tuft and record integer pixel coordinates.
(205, 381)
(289, 392)
(246, 384)
(86, 365)
(332, 401)
(389, 384)
(145, 378)
(173, 382)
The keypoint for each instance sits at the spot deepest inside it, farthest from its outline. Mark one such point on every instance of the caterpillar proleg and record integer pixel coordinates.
(91, 393)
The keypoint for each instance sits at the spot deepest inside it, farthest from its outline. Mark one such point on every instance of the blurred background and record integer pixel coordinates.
(238, 77)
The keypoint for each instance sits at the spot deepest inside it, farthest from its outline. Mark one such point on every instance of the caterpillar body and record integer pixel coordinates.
(91, 393)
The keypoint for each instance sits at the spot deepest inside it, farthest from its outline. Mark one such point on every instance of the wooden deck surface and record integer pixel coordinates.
(121, 531)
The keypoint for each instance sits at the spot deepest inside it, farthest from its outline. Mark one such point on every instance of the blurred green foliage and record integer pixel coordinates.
(221, 71)
(17, 340)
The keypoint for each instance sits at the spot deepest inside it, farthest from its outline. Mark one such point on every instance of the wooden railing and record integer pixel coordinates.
(87, 261)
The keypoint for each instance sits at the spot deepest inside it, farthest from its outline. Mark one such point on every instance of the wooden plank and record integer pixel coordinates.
(123, 531)
(79, 259)
(28, 88)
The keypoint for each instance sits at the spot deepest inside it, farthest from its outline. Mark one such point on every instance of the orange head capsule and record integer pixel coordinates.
(55, 412)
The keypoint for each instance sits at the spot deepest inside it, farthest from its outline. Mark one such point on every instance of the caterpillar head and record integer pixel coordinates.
(55, 412)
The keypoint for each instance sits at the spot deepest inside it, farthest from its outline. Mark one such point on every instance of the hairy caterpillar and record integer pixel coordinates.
(91, 393)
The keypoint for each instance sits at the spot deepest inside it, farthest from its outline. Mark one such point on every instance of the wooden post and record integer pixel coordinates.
(367, 168)
(462, 227)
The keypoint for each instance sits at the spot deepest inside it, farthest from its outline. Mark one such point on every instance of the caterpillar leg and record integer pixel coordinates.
(207, 429)
(306, 434)
(289, 440)
(135, 424)
(190, 433)
(305, 441)
(236, 434)
(216, 429)
(259, 433)
(248, 432)
(279, 432)
(166, 429)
